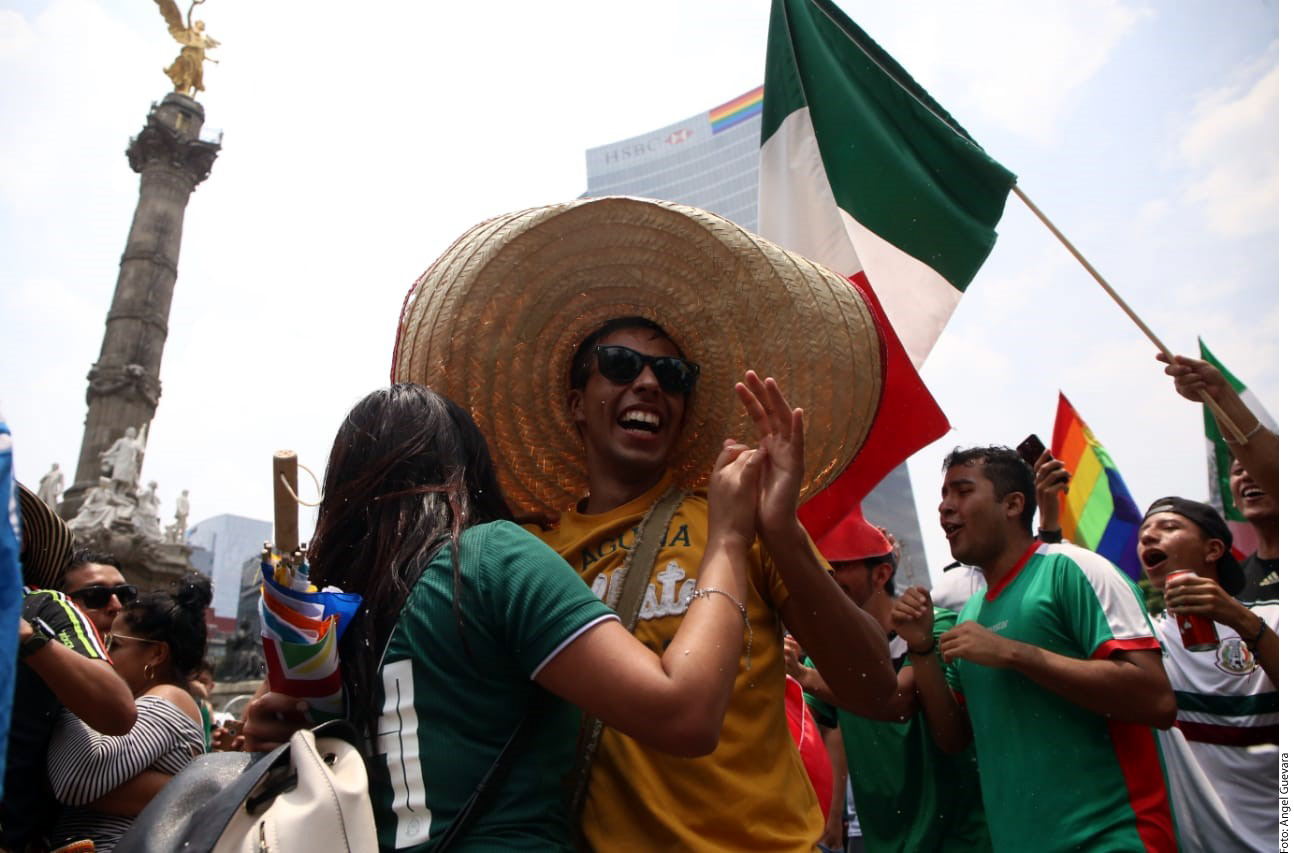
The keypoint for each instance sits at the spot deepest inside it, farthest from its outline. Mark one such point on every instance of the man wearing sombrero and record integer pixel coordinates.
(597, 344)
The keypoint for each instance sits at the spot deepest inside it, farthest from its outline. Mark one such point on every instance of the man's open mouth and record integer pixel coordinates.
(1152, 557)
(636, 420)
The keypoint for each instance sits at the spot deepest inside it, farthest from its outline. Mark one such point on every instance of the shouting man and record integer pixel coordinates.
(1055, 667)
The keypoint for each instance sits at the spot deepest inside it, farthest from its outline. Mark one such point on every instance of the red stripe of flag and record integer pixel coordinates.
(907, 419)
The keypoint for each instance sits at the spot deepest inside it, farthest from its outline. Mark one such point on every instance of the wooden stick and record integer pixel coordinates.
(1221, 416)
(285, 504)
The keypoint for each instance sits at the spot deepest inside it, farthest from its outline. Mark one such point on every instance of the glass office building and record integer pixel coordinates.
(711, 160)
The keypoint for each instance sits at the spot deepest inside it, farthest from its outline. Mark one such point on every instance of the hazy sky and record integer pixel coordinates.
(361, 139)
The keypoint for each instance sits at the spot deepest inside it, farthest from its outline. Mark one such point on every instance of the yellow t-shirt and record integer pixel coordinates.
(752, 792)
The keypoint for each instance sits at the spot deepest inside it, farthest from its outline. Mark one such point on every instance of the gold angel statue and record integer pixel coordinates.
(186, 71)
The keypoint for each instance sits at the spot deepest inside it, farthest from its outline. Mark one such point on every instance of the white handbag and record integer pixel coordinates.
(308, 794)
(327, 808)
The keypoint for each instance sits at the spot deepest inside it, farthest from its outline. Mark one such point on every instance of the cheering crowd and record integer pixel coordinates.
(580, 496)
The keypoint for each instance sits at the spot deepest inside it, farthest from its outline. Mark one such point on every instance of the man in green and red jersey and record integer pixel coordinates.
(1056, 667)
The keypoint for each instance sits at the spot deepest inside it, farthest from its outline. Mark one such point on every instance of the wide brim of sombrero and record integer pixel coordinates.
(494, 323)
(46, 542)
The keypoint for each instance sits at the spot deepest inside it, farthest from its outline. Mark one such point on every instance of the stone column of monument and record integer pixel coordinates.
(124, 384)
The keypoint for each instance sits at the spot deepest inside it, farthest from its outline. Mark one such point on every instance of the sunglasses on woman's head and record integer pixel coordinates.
(622, 365)
(98, 595)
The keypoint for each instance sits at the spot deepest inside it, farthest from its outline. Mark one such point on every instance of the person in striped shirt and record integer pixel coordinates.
(158, 641)
(1226, 696)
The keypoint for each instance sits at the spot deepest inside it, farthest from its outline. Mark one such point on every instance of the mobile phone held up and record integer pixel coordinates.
(1031, 449)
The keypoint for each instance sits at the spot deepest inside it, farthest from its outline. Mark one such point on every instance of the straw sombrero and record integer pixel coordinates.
(496, 320)
(46, 542)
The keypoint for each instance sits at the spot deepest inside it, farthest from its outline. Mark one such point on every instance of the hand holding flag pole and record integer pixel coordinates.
(1221, 416)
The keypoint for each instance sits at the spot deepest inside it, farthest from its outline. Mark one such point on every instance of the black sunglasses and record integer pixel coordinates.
(622, 365)
(98, 596)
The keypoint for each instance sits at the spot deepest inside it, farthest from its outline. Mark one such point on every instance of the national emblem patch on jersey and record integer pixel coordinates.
(1234, 657)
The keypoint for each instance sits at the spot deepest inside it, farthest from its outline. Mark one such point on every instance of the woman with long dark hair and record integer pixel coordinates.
(463, 610)
(157, 643)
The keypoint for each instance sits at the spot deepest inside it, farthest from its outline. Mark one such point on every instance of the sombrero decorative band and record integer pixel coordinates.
(494, 323)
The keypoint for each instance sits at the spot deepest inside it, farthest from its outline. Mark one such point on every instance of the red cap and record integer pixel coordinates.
(853, 538)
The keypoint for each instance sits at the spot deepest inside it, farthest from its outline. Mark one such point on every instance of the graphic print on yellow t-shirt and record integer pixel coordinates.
(752, 791)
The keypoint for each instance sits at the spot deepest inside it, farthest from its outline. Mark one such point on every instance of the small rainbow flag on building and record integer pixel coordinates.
(1098, 513)
(737, 110)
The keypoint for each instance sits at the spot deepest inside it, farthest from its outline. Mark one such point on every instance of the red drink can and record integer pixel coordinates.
(1198, 632)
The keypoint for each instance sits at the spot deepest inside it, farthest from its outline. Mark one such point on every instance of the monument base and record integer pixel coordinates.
(146, 563)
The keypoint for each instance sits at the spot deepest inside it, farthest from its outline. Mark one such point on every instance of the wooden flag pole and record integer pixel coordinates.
(285, 502)
(1127, 309)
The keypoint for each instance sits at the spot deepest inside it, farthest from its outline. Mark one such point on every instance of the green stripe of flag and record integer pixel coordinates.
(897, 162)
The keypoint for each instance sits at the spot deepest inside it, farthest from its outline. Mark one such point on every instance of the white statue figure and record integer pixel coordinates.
(51, 486)
(182, 512)
(121, 461)
(97, 510)
(147, 514)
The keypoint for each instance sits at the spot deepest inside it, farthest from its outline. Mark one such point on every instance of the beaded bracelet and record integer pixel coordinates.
(750, 633)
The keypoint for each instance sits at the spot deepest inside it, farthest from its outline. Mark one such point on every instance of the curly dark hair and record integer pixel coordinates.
(408, 473)
(177, 617)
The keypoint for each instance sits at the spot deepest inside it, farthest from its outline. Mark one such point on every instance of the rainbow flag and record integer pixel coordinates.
(299, 632)
(737, 110)
(1098, 513)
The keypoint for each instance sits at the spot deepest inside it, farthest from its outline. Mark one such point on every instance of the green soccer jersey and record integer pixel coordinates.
(1056, 776)
(911, 797)
(446, 713)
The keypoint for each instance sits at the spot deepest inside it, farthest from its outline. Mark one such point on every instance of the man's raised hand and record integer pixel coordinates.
(781, 436)
(734, 490)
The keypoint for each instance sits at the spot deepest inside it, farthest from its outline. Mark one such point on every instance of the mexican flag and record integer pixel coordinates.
(860, 170)
(1244, 539)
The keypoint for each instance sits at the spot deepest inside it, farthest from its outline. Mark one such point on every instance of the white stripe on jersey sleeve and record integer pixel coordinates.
(564, 643)
(1123, 611)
